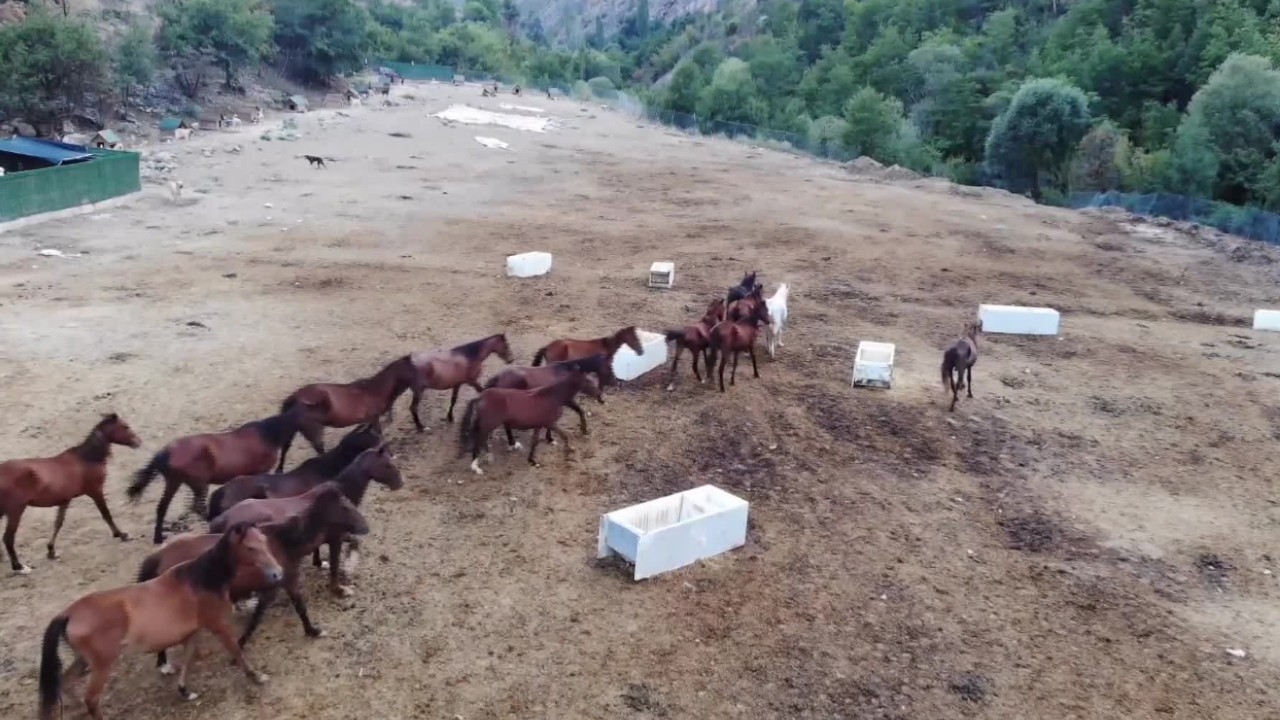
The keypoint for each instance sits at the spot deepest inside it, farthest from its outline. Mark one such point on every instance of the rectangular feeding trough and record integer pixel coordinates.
(873, 365)
(662, 275)
(629, 366)
(1018, 320)
(674, 531)
(1266, 320)
(528, 264)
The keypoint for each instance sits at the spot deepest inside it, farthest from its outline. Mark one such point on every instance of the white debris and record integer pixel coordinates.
(1237, 653)
(523, 108)
(475, 116)
(494, 143)
(267, 205)
(50, 252)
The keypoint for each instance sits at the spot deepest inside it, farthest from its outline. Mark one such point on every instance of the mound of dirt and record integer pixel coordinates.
(864, 166)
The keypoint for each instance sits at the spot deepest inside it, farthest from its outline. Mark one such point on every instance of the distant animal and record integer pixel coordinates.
(738, 336)
(152, 616)
(535, 410)
(182, 134)
(290, 541)
(743, 288)
(453, 368)
(354, 101)
(315, 161)
(56, 481)
(568, 349)
(222, 119)
(695, 338)
(199, 461)
(175, 190)
(515, 90)
(745, 307)
(958, 361)
(484, 92)
(257, 116)
(777, 305)
(530, 378)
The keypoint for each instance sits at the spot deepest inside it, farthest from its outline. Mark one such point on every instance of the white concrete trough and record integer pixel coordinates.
(528, 264)
(662, 275)
(873, 365)
(674, 531)
(1266, 320)
(629, 366)
(1018, 320)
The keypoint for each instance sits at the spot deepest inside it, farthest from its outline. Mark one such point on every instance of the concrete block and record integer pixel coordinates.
(662, 275)
(528, 264)
(1266, 320)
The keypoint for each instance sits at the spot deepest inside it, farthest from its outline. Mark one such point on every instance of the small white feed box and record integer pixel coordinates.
(662, 275)
(629, 366)
(1266, 320)
(873, 365)
(1018, 320)
(528, 264)
(674, 531)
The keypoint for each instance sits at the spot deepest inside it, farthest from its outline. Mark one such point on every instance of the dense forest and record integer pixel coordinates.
(1040, 96)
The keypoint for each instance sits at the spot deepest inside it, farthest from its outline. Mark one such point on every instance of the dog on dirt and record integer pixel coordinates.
(315, 161)
(175, 190)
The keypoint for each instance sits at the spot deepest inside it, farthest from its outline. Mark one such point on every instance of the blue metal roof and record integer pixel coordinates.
(54, 153)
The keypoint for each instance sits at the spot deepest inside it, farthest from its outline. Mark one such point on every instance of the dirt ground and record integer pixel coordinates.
(1084, 539)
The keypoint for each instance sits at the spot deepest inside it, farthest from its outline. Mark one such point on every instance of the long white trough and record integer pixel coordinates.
(873, 365)
(1018, 320)
(1266, 320)
(662, 275)
(674, 531)
(528, 264)
(629, 366)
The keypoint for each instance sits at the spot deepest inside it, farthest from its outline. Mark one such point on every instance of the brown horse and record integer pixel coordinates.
(153, 616)
(290, 542)
(363, 401)
(561, 350)
(531, 378)
(695, 338)
(737, 336)
(56, 481)
(451, 369)
(744, 287)
(199, 461)
(958, 361)
(302, 478)
(534, 410)
(746, 306)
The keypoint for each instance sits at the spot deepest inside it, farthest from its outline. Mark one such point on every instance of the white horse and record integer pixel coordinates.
(777, 319)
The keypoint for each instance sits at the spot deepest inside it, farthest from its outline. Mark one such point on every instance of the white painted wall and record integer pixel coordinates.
(1018, 320)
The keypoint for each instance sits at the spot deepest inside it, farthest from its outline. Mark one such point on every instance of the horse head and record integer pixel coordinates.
(117, 431)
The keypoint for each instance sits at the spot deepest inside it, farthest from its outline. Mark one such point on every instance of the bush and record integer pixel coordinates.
(602, 87)
(1032, 140)
(51, 65)
(1096, 164)
(873, 124)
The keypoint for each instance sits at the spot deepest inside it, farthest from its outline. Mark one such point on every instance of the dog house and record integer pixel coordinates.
(873, 365)
(1266, 320)
(528, 264)
(671, 532)
(629, 366)
(662, 275)
(1018, 320)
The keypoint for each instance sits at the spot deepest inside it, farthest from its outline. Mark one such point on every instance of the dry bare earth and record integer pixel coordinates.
(1082, 540)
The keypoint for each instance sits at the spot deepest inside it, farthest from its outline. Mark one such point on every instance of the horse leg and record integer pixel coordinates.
(724, 359)
(970, 374)
(220, 626)
(512, 444)
(188, 659)
(284, 450)
(200, 500)
(533, 447)
(353, 557)
(733, 375)
(99, 673)
(57, 528)
(413, 409)
(300, 607)
(453, 400)
(568, 451)
(755, 371)
(582, 419)
(335, 567)
(101, 502)
(955, 395)
(675, 363)
(265, 598)
(10, 531)
(162, 508)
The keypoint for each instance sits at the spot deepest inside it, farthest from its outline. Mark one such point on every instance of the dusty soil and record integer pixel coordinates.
(1083, 539)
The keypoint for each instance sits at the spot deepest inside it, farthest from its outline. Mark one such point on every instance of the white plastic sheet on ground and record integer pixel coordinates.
(494, 143)
(522, 108)
(475, 116)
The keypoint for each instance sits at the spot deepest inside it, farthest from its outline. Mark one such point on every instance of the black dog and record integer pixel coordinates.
(316, 161)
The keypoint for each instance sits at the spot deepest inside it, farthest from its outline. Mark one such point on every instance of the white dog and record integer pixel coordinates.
(182, 134)
(175, 190)
(777, 319)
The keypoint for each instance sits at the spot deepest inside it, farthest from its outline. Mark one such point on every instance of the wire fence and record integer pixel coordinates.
(1234, 219)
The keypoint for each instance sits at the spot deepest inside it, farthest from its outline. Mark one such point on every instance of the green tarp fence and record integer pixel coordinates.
(110, 174)
(411, 71)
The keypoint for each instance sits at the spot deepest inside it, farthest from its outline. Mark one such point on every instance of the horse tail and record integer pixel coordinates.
(143, 478)
(215, 503)
(150, 568)
(467, 428)
(541, 355)
(675, 336)
(51, 667)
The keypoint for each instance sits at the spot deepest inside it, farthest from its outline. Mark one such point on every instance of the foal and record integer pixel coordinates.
(561, 350)
(736, 336)
(518, 410)
(56, 481)
(695, 338)
(199, 461)
(451, 369)
(152, 616)
(532, 378)
(958, 361)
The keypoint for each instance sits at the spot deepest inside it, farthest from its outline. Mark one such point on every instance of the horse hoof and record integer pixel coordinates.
(315, 632)
(24, 570)
(52, 554)
(123, 537)
(535, 464)
(261, 678)
(343, 591)
(187, 694)
(166, 669)
(324, 564)
(670, 387)
(515, 447)
(475, 467)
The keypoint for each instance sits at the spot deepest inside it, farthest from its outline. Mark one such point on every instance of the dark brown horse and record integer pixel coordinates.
(199, 461)
(695, 338)
(518, 410)
(744, 287)
(290, 542)
(561, 350)
(451, 369)
(958, 361)
(304, 477)
(738, 336)
(363, 401)
(153, 616)
(56, 481)
(531, 378)
(746, 306)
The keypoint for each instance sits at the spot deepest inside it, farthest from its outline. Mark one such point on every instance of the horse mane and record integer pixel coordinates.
(278, 428)
(214, 569)
(343, 454)
(298, 530)
(352, 482)
(471, 350)
(96, 448)
(574, 379)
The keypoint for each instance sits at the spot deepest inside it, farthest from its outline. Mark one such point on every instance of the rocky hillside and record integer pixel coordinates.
(568, 20)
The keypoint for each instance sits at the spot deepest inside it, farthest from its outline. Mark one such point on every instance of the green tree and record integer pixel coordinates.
(1032, 140)
(873, 123)
(1097, 162)
(133, 60)
(730, 94)
(52, 64)
(686, 85)
(197, 34)
(510, 17)
(821, 23)
(319, 39)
